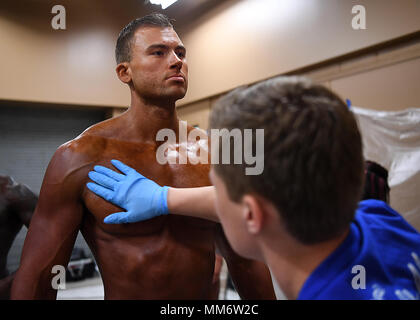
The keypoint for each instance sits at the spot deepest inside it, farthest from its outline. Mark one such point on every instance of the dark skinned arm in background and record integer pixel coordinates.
(21, 203)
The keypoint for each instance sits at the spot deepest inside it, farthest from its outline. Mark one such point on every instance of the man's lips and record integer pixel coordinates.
(176, 77)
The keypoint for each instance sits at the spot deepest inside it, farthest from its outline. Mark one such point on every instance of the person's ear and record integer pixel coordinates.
(253, 214)
(123, 72)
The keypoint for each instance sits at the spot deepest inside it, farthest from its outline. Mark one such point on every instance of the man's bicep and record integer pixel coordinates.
(55, 221)
(59, 205)
(53, 228)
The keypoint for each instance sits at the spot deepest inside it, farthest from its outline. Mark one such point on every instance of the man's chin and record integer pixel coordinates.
(169, 95)
(176, 94)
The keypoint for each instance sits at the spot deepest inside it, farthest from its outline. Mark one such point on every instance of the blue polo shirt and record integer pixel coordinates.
(378, 260)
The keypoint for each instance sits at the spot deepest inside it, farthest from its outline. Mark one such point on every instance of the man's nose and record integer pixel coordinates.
(175, 61)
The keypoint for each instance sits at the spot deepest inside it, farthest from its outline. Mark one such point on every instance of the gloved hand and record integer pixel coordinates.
(141, 197)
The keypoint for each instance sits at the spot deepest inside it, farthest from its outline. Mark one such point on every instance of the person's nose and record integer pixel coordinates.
(175, 61)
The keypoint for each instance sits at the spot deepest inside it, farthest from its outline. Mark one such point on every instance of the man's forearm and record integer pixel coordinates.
(31, 283)
(193, 202)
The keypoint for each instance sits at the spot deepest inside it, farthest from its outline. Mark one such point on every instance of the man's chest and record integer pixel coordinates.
(145, 159)
(142, 157)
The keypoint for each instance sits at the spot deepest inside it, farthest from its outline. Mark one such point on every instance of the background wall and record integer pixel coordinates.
(72, 66)
(385, 78)
(75, 65)
(247, 41)
(232, 43)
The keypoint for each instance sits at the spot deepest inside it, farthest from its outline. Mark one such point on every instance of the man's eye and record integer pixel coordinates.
(181, 55)
(158, 53)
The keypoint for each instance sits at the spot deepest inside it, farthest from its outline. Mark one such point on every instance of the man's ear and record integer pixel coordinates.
(253, 213)
(123, 72)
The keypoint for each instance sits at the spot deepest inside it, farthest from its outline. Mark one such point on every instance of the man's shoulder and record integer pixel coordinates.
(91, 142)
(375, 211)
(76, 156)
(12, 190)
(6, 181)
(77, 152)
(376, 207)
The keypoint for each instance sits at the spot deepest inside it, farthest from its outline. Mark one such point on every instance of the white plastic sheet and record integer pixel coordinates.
(392, 139)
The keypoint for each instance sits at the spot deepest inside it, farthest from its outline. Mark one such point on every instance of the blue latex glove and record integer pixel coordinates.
(141, 197)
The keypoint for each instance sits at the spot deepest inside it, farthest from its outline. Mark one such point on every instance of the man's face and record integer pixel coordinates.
(232, 218)
(158, 64)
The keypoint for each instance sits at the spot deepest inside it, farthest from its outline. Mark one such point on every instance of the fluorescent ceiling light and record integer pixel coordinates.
(163, 3)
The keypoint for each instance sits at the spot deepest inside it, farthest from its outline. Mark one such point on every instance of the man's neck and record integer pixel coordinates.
(146, 117)
(292, 263)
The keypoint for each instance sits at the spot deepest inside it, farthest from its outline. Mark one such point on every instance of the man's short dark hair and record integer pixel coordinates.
(124, 41)
(313, 161)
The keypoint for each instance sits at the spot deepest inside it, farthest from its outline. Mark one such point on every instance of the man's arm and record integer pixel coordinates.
(144, 199)
(53, 228)
(137, 194)
(197, 202)
(23, 201)
(252, 278)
